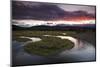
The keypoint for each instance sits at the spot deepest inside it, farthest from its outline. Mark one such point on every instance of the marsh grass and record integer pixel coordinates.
(40, 33)
(48, 46)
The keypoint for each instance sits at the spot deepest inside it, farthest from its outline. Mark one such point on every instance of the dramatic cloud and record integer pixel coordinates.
(46, 11)
(89, 9)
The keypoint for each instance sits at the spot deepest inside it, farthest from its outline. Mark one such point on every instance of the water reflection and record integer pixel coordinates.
(84, 52)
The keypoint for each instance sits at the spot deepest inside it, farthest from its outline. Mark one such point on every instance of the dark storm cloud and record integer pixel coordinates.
(89, 9)
(46, 11)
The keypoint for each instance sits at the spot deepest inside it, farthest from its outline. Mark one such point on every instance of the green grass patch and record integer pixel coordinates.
(48, 46)
(29, 33)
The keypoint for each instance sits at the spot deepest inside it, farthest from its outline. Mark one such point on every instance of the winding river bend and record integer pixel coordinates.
(82, 51)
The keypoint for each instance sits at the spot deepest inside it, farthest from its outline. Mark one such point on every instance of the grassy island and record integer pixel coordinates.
(48, 46)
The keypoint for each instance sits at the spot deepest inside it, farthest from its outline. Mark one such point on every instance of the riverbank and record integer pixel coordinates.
(89, 36)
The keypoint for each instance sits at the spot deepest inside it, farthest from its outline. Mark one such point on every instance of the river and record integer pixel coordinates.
(82, 51)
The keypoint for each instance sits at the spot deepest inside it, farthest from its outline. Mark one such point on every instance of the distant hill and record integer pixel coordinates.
(58, 27)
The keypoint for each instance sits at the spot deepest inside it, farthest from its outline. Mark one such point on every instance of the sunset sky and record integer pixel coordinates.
(38, 12)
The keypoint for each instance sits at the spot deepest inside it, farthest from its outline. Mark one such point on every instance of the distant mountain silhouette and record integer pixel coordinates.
(58, 27)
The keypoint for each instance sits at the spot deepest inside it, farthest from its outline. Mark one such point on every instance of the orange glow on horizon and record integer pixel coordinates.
(75, 19)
